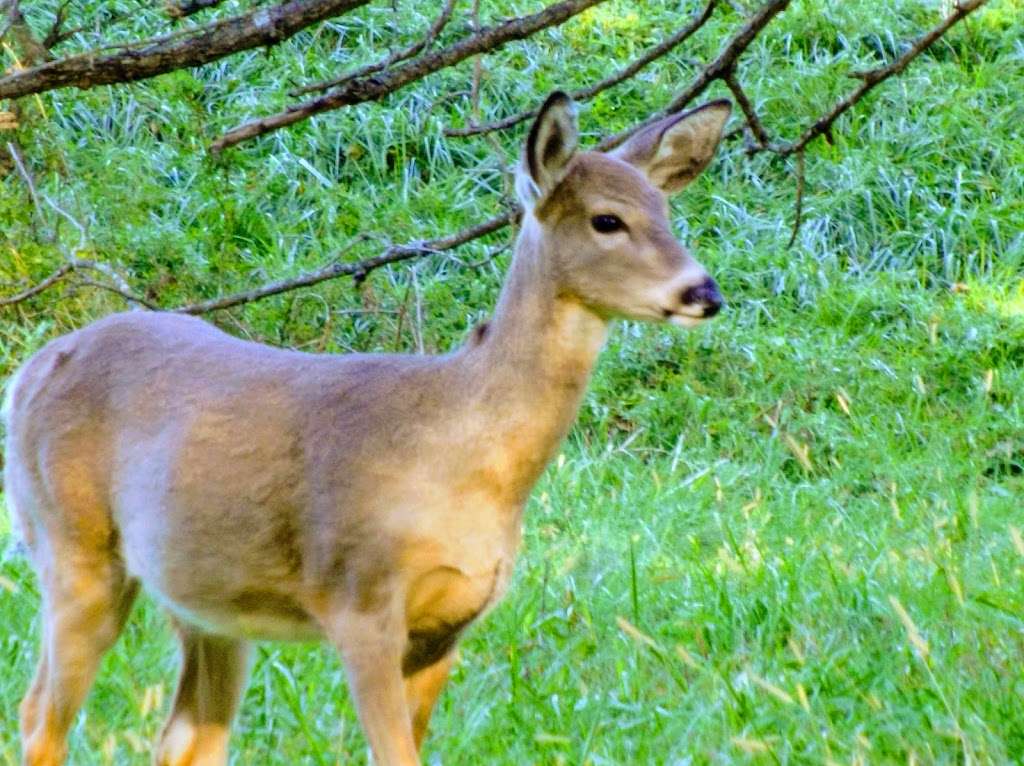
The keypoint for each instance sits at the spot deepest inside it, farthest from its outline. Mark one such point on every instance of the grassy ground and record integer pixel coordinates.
(792, 536)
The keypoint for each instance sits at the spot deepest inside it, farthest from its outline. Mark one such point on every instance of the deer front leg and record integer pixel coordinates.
(422, 689)
(371, 646)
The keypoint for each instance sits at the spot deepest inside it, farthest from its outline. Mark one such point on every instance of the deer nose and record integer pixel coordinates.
(705, 295)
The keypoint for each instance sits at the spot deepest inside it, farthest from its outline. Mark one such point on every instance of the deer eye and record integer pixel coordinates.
(607, 224)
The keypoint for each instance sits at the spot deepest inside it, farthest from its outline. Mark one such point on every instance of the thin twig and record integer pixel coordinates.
(128, 295)
(23, 171)
(394, 58)
(754, 124)
(869, 79)
(358, 270)
(478, 68)
(54, 35)
(585, 94)
(73, 262)
(19, 163)
(488, 258)
(798, 213)
(52, 40)
(32, 50)
(377, 86)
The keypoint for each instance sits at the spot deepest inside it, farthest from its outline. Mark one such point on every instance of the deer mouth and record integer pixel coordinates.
(683, 318)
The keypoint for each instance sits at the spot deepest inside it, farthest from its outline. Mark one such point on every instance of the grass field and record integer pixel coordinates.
(795, 535)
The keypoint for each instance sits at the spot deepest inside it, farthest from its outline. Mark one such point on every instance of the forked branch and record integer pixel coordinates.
(722, 67)
(585, 94)
(873, 77)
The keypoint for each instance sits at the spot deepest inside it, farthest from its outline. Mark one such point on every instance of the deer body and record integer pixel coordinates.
(374, 500)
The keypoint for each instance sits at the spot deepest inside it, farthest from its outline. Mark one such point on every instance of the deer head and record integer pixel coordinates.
(606, 215)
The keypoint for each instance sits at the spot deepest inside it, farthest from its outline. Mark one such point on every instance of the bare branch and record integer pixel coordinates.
(73, 262)
(73, 265)
(798, 213)
(54, 35)
(57, 35)
(650, 55)
(19, 163)
(35, 289)
(871, 78)
(719, 69)
(116, 289)
(377, 86)
(394, 58)
(757, 130)
(358, 270)
(259, 27)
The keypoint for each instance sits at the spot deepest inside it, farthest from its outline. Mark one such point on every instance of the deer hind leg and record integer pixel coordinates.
(422, 689)
(213, 675)
(85, 605)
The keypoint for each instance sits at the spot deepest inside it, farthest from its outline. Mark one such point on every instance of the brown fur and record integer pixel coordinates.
(374, 500)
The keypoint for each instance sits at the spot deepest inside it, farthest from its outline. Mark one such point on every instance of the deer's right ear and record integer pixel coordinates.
(549, 147)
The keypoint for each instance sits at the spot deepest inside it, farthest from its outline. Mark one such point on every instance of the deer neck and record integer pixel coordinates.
(532, 363)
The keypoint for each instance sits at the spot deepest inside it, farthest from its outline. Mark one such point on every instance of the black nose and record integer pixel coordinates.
(705, 295)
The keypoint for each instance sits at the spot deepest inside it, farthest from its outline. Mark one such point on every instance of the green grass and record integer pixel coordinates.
(805, 510)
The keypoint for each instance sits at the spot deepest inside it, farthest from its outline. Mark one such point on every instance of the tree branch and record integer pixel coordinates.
(117, 289)
(650, 55)
(57, 35)
(55, 27)
(754, 124)
(259, 27)
(873, 77)
(377, 86)
(73, 265)
(719, 69)
(394, 58)
(39, 287)
(379, 80)
(358, 270)
(799, 204)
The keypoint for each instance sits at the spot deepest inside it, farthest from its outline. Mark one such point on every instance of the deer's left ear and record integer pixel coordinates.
(551, 144)
(674, 151)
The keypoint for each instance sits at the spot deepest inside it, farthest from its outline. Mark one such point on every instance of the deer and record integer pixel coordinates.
(374, 501)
